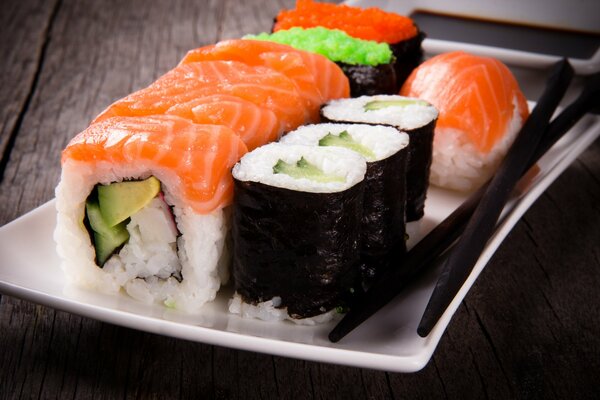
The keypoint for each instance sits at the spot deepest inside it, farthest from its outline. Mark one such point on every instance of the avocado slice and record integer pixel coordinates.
(120, 200)
(107, 239)
(304, 169)
(379, 104)
(345, 140)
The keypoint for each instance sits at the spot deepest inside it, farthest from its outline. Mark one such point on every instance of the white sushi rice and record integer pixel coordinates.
(458, 165)
(406, 117)
(154, 266)
(383, 141)
(268, 311)
(257, 166)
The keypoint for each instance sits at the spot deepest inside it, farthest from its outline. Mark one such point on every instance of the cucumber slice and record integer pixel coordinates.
(107, 239)
(380, 104)
(304, 169)
(120, 200)
(345, 140)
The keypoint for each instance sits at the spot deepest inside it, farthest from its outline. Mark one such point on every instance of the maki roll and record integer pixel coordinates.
(142, 206)
(367, 64)
(400, 32)
(386, 152)
(296, 231)
(415, 117)
(481, 111)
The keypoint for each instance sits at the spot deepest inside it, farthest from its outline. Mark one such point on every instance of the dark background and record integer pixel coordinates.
(529, 328)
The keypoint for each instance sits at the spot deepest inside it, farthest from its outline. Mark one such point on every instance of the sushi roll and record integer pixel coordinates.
(386, 152)
(258, 89)
(481, 110)
(400, 32)
(296, 231)
(415, 117)
(142, 206)
(307, 69)
(368, 65)
(182, 90)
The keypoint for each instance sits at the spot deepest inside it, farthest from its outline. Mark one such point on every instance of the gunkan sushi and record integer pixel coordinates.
(296, 231)
(368, 65)
(384, 217)
(481, 110)
(142, 207)
(414, 116)
(400, 32)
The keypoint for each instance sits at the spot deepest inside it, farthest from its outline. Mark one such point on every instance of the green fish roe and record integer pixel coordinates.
(334, 44)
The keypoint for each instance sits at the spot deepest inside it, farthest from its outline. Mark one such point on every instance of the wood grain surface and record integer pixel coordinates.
(529, 328)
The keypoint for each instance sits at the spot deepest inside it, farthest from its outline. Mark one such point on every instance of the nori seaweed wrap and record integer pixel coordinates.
(384, 213)
(386, 151)
(367, 80)
(296, 233)
(408, 55)
(415, 117)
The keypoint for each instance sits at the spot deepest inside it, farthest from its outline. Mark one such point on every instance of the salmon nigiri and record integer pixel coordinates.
(261, 86)
(481, 109)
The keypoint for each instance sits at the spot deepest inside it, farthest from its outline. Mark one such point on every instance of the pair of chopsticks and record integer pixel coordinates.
(535, 139)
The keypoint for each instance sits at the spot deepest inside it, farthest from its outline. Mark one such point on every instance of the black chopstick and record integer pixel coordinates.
(458, 266)
(420, 259)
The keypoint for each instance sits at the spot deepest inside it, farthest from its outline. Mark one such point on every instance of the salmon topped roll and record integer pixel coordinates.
(269, 92)
(481, 109)
(328, 78)
(142, 206)
(254, 124)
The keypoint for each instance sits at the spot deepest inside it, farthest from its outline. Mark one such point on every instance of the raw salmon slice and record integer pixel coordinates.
(194, 159)
(261, 86)
(326, 75)
(255, 125)
(475, 95)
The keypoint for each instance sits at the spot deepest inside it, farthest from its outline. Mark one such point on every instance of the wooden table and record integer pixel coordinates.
(529, 328)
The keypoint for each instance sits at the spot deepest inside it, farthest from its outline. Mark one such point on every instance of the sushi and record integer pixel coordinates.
(383, 229)
(181, 87)
(143, 201)
(256, 125)
(414, 116)
(258, 89)
(368, 65)
(142, 206)
(328, 78)
(400, 32)
(296, 231)
(481, 111)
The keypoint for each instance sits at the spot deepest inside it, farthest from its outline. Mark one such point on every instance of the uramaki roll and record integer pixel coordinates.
(142, 206)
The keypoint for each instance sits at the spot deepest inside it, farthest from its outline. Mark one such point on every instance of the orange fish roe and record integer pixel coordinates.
(368, 24)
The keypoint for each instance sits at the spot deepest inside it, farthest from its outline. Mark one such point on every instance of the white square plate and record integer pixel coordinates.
(388, 341)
